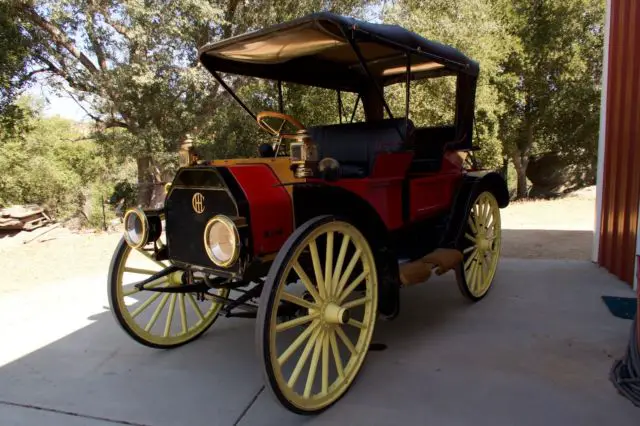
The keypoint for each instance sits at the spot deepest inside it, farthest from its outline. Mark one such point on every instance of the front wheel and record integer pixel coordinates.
(158, 320)
(480, 248)
(317, 314)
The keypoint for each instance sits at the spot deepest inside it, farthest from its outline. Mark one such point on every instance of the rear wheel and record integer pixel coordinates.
(326, 272)
(480, 248)
(158, 320)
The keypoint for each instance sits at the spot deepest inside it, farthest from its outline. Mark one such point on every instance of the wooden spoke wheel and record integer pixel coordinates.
(481, 247)
(317, 314)
(159, 320)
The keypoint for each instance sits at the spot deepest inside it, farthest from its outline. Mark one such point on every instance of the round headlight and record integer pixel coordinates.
(221, 240)
(136, 228)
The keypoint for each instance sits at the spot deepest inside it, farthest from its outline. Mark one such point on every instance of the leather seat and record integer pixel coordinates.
(356, 145)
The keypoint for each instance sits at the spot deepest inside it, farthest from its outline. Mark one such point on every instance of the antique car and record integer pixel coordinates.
(316, 236)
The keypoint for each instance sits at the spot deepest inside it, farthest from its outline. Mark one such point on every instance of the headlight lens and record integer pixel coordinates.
(136, 228)
(221, 241)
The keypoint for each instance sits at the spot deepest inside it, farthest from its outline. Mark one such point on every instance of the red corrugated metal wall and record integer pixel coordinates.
(621, 183)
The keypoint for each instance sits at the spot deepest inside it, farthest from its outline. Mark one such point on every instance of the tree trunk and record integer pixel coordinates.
(145, 181)
(520, 162)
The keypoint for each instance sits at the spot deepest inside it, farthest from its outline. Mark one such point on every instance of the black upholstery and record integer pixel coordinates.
(356, 145)
(429, 144)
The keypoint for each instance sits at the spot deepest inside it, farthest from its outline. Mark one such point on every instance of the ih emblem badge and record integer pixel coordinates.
(197, 202)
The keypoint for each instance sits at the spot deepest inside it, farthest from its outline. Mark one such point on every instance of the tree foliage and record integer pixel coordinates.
(552, 78)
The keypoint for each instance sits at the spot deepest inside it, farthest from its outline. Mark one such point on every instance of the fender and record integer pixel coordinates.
(316, 199)
(471, 184)
(270, 208)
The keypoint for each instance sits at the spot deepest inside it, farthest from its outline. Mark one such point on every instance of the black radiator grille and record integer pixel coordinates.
(185, 227)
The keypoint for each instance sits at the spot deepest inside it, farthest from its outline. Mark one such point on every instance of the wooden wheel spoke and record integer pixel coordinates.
(313, 367)
(156, 313)
(303, 358)
(306, 282)
(298, 300)
(356, 324)
(139, 271)
(355, 303)
(317, 269)
(172, 305)
(345, 339)
(470, 237)
(325, 363)
(148, 256)
(328, 264)
(347, 272)
(296, 322)
(470, 260)
(472, 224)
(335, 277)
(353, 285)
(296, 343)
(145, 304)
(183, 313)
(468, 249)
(336, 354)
(195, 306)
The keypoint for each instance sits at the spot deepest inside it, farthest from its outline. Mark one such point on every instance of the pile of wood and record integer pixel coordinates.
(23, 218)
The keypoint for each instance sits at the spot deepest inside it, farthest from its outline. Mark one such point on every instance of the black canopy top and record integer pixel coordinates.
(316, 50)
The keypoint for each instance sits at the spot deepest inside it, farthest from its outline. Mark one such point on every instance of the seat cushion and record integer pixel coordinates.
(356, 145)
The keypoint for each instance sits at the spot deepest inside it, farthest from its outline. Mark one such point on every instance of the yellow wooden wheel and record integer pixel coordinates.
(159, 320)
(317, 314)
(481, 247)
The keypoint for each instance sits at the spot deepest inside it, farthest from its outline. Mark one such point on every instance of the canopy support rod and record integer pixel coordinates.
(355, 108)
(363, 62)
(419, 52)
(339, 104)
(232, 93)
(407, 95)
(280, 100)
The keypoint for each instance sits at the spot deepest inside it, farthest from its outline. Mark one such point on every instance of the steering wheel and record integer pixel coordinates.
(260, 118)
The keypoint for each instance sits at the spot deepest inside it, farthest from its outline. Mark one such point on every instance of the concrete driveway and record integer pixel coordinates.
(536, 351)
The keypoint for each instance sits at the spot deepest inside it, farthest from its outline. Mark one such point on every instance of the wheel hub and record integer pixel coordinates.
(334, 314)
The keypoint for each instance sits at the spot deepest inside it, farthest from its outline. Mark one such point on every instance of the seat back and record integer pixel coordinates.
(356, 145)
(429, 144)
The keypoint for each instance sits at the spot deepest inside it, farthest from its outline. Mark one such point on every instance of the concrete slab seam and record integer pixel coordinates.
(248, 407)
(71, 413)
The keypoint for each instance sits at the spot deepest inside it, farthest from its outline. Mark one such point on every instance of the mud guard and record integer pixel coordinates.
(471, 184)
(311, 200)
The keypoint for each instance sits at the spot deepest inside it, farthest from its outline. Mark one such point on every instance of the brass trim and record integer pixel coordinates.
(197, 202)
(229, 224)
(145, 227)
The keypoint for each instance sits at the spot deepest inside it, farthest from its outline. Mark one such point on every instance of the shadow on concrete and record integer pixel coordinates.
(536, 351)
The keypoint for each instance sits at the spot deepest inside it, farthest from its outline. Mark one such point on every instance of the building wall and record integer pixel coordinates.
(620, 177)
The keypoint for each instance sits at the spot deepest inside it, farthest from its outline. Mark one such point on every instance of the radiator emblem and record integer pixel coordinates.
(197, 202)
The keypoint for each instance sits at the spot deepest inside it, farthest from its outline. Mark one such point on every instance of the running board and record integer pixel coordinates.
(438, 261)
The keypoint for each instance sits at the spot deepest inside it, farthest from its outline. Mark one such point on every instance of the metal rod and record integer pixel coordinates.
(356, 50)
(355, 108)
(280, 101)
(339, 105)
(232, 93)
(166, 271)
(407, 94)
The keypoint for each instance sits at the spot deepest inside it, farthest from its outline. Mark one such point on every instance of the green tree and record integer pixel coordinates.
(135, 64)
(551, 84)
(473, 27)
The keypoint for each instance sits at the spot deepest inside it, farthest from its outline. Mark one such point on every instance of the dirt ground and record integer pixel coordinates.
(557, 229)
